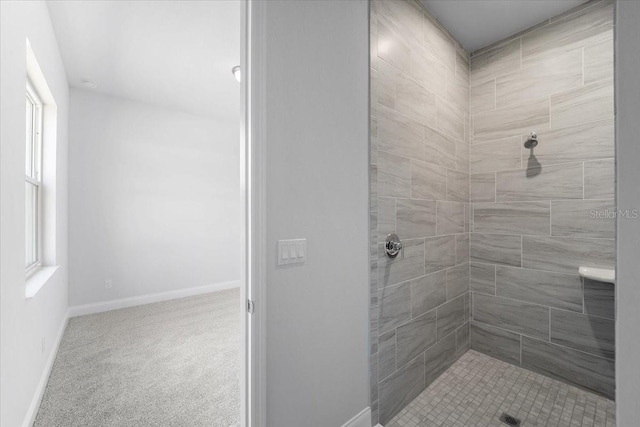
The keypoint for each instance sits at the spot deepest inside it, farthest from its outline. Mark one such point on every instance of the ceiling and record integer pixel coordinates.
(478, 23)
(174, 54)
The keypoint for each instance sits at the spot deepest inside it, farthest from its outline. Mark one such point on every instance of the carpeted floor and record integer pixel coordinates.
(172, 364)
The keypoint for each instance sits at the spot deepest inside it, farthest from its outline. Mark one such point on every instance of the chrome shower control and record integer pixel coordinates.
(392, 245)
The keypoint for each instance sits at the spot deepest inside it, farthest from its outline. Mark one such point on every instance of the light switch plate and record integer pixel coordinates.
(292, 251)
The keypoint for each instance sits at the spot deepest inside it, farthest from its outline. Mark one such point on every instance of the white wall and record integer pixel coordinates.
(154, 199)
(25, 322)
(628, 197)
(317, 188)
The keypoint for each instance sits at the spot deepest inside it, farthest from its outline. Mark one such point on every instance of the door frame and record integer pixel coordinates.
(253, 178)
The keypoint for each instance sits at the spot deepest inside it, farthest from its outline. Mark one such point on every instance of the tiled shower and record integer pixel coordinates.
(493, 232)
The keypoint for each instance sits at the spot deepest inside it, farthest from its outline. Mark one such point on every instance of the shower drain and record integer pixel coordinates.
(509, 420)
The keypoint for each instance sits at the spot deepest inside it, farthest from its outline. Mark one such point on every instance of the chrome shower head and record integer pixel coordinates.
(532, 141)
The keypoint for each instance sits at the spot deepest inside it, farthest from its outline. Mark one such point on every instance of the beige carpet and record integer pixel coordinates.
(173, 363)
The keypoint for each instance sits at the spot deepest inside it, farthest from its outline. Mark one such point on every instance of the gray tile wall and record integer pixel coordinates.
(533, 221)
(419, 190)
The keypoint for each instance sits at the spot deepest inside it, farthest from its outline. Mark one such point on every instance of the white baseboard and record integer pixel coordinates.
(44, 378)
(99, 307)
(363, 419)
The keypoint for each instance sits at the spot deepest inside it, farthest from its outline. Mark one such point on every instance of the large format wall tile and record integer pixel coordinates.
(541, 213)
(458, 91)
(451, 316)
(373, 378)
(511, 121)
(496, 249)
(387, 354)
(428, 292)
(462, 248)
(386, 218)
(570, 31)
(450, 218)
(495, 342)
(586, 104)
(540, 287)
(401, 268)
(398, 134)
(512, 315)
(450, 118)
(439, 148)
(457, 281)
(547, 182)
(599, 179)
(428, 181)
(462, 339)
(589, 141)
(483, 97)
(374, 312)
(440, 253)
(598, 61)
(373, 284)
(511, 218)
(541, 76)
(462, 64)
(404, 18)
(415, 218)
(439, 357)
(498, 61)
(575, 367)
(482, 187)
(457, 186)
(583, 218)
(374, 138)
(591, 334)
(399, 55)
(462, 155)
(566, 255)
(420, 131)
(482, 278)
(373, 187)
(397, 390)
(428, 71)
(394, 175)
(385, 90)
(496, 155)
(415, 101)
(415, 336)
(394, 306)
(438, 42)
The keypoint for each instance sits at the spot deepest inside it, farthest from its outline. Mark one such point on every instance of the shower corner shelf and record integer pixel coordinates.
(599, 274)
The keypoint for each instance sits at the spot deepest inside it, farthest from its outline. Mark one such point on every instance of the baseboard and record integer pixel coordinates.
(44, 378)
(363, 419)
(99, 307)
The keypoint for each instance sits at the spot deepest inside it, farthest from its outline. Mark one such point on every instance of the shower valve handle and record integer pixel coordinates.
(392, 245)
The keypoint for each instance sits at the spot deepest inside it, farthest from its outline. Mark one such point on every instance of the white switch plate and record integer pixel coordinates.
(292, 251)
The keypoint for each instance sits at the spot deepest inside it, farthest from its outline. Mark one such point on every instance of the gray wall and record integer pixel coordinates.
(533, 219)
(317, 178)
(420, 190)
(628, 197)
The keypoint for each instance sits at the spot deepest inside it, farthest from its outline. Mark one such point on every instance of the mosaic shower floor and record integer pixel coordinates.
(478, 389)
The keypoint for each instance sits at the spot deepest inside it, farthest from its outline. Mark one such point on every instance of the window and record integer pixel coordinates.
(33, 180)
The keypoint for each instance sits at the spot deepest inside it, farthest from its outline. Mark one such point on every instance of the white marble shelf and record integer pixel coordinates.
(599, 274)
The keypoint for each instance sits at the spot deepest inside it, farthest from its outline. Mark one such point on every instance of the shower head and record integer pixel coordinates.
(532, 141)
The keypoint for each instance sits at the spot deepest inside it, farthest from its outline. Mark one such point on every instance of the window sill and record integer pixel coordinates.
(37, 280)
